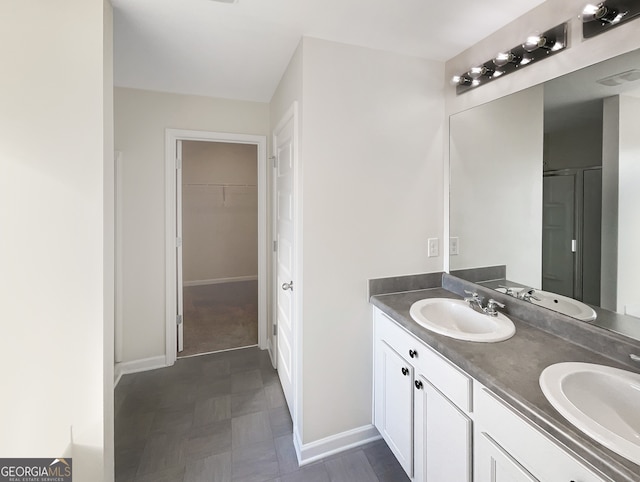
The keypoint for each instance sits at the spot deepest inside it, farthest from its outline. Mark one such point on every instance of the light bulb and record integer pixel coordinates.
(477, 72)
(590, 9)
(504, 58)
(532, 43)
(460, 80)
(607, 15)
(535, 42)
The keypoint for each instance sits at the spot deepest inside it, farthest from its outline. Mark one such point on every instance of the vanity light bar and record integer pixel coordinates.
(533, 49)
(600, 17)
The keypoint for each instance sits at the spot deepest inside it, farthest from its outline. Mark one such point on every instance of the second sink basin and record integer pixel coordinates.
(601, 401)
(454, 318)
(561, 304)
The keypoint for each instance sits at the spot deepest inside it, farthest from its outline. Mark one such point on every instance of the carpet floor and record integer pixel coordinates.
(220, 317)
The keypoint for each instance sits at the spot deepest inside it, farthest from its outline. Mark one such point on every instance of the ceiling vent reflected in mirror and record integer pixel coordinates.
(621, 78)
(600, 17)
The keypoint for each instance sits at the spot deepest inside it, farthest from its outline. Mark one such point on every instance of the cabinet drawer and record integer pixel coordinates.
(453, 383)
(536, 452)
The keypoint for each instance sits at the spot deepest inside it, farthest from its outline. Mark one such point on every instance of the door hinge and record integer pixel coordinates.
(275, 161)
(573, 245)
(178, 242)
(275, 330)
(178, 163)
(179, 320)
(275, 246)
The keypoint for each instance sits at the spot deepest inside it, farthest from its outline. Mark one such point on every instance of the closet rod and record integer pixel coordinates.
(218, 184)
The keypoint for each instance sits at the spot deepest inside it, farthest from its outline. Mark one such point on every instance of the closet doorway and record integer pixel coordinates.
(218, 283)
(219, 246)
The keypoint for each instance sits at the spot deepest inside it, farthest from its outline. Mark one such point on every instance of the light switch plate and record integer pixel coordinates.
(433, 247)
(453, 246)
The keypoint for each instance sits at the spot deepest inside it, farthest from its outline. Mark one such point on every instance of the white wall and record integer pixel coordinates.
(55, 133)
(629, 201)
(496, 185)
(371, 195)
(141, 118)
(220, 211)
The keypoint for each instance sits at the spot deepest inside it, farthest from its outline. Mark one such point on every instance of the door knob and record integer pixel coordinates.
(287, 286)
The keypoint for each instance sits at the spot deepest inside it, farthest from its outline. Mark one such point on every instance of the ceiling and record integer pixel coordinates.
(240, 51)
(577, 97)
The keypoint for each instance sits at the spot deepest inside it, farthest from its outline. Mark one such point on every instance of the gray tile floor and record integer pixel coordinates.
(223, 417)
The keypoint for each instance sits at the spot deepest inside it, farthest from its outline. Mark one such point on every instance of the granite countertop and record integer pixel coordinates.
(511, 370)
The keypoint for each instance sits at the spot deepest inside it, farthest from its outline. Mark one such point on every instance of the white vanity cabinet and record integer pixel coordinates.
(509, 448)
(421, 405)
(423, 409)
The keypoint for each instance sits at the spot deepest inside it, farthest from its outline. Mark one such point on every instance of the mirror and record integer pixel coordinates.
(544, 185)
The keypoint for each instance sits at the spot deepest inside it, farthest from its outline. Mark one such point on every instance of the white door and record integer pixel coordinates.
(179, 314)
(284, 214)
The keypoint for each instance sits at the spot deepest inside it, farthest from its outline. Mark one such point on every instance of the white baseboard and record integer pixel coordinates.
(136, 366)
(308, 453)
(220, 280)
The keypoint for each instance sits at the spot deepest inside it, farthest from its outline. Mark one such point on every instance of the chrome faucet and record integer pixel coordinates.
(523, 293)
(526, 294)
(475, 302)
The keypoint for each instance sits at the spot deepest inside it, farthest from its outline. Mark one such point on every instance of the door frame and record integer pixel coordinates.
(171, 281)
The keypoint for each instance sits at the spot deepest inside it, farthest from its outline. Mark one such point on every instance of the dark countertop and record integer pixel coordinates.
(511, 369)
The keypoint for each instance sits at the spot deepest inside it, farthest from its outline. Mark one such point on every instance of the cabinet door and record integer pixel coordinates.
(394, 404)
(443, 437)
(494, 464)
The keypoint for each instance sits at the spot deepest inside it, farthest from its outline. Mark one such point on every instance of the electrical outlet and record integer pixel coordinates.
(433, 247)
(454, 244)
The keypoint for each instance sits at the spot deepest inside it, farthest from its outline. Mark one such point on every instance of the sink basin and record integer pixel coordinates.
(601, 401)
(456, 319)
(561, 304)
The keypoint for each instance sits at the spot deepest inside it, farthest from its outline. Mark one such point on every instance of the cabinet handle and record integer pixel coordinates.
(413, 353)
(418, 384)
(405, 371)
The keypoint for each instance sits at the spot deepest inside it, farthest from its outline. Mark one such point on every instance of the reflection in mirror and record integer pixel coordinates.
(544, 188)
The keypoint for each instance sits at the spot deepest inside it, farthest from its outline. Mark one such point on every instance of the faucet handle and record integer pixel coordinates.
(491, 307)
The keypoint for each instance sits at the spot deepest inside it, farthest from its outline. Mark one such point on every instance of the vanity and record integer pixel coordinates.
(457, 410)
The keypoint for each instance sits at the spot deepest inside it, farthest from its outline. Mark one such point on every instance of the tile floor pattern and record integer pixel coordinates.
(222, 417)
